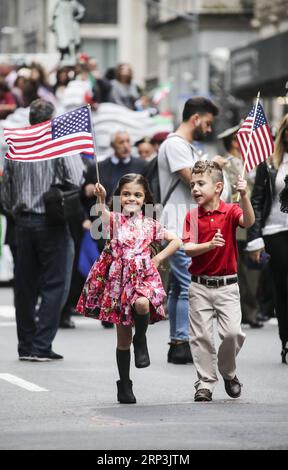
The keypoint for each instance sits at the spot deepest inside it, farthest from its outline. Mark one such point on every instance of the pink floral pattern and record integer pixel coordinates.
(124, 272)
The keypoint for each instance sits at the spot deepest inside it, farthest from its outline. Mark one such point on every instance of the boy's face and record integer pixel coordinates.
(203, 188)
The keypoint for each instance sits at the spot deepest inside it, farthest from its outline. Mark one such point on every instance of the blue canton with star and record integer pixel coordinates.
(260, 119)
(71, 123)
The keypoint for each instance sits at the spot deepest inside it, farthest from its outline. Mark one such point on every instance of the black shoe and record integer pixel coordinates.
(25, 357)
(181, 353)
(256, 324)
(203, 394)
(141, 354)
(125, 393)
(284, 353)
(67, 323)
(170, 352)
(262, 317)
(51, 356)
(107, 324)
(233, 387)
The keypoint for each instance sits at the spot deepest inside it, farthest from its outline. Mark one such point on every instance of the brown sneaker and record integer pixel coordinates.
(233, 387)
(203, 394)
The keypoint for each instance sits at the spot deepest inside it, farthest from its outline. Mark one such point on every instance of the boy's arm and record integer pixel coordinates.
(248, 218)
(196, 249)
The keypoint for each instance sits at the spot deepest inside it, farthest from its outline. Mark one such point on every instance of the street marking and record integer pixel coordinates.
(7, 311)
(13, 379)
(7, 323)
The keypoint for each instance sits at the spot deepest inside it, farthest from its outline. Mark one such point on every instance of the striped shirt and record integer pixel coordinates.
(23, 184)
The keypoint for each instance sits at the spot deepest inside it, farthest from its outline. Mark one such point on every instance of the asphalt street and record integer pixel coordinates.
(72, 404)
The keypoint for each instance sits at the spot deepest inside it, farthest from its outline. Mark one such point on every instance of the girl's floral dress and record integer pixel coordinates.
(124, 272)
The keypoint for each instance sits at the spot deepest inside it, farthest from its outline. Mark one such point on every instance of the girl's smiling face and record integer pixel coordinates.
(132, 198)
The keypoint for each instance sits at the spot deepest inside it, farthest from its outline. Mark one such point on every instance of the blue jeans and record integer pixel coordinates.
(180, 279)
(41, 269)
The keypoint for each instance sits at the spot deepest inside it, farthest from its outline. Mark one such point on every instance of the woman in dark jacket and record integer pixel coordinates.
(270, 230)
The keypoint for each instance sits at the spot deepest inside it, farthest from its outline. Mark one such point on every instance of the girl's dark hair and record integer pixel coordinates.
(137, 179)
(155, 246)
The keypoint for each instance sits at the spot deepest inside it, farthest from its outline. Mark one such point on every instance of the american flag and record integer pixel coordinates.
(68, 134)
(261, 146)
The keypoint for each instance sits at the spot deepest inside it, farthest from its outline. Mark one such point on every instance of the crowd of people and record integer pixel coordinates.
(69, 85)
(233, 247)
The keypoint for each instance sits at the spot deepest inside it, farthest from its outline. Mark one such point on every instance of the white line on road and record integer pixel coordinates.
(7, 311)
(7, 323)
(13, 379)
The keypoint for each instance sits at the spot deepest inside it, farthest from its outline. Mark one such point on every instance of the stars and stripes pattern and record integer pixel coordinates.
(261, 145)
(68, 134)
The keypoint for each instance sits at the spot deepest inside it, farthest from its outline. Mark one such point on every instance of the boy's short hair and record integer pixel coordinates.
(200, 105)
(211, 168)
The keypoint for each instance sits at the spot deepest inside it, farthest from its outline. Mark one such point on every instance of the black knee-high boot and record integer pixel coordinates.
(124, 385)
(139, 340)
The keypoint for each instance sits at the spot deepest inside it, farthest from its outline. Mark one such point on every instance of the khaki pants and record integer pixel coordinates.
(204, 302)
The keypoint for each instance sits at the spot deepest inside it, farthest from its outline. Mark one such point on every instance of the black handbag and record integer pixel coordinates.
(62, 204)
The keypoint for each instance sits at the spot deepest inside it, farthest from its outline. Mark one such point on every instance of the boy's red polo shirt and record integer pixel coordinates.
(221, 261)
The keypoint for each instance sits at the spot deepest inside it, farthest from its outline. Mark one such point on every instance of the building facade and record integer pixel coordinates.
(189, 42)
(112, 31)
(262, 65)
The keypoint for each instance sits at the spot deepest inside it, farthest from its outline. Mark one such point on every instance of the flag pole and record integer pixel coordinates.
(249, 142)
(94, 143)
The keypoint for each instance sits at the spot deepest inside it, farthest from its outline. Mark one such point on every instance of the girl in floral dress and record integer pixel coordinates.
(124, 286)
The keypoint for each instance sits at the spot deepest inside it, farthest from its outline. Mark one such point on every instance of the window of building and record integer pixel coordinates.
(100, 11)
(153, 11)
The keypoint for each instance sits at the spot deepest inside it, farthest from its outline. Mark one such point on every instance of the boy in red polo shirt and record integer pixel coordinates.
(210, 239)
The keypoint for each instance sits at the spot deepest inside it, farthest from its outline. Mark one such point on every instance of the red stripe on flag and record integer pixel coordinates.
(75, 149)
(52, 144)
(25, 134)
(255, 151)
(38, 141)
(34, 127)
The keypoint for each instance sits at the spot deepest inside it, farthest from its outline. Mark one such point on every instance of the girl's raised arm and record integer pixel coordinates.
(101, 209)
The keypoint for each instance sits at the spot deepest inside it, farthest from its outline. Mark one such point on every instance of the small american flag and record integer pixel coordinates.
(68, 134)
(261, 145)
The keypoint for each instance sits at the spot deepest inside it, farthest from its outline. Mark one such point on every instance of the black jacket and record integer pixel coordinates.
(262, 197)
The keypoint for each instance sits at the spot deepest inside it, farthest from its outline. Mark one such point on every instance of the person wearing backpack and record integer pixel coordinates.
(176, 159)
